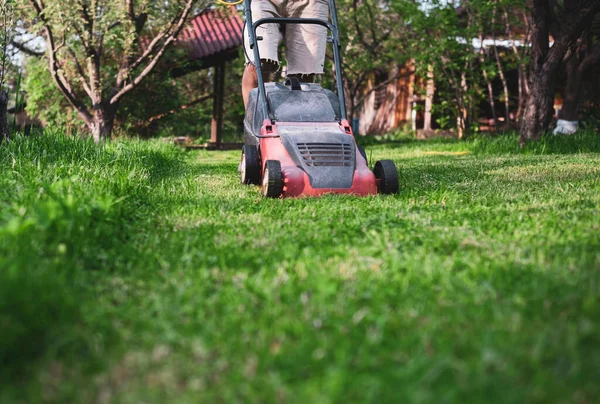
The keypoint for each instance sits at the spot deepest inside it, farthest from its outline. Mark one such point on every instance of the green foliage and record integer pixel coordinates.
(379, 38)
(438, 36)
(134, 271)
(374, 41)
(7, 22)
(99, 51)
(155, 96)
(44, 100)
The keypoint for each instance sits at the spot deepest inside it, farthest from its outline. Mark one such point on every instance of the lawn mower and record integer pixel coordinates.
(297, 139)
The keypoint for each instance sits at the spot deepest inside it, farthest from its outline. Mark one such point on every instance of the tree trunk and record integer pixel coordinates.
(521, 65)
(463, 114)
(501, 73)
(546, 60)
(573, 90)
(430, 93)
(522, 93)
(504, 86)
(4, 131)
(103, 123)
(491, 98)
(538, 108)
(216, 131)
(487, 81)
(578, 69)
(539, 105)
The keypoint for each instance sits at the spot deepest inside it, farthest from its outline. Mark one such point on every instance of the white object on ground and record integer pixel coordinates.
(565, 127)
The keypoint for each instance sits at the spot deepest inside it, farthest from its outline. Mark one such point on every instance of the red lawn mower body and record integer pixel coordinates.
(298, 141)
(296, 181)
(304, 148)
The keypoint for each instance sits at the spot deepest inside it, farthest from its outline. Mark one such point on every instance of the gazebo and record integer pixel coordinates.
(211, 39)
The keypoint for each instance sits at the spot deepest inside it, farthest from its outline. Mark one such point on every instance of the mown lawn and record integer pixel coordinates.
(137, 272)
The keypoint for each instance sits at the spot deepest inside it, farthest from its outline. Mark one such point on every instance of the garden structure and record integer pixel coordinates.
(210, 40)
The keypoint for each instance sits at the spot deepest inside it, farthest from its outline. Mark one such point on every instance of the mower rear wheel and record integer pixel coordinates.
(272, 183)
(250, 165)
(387, 174)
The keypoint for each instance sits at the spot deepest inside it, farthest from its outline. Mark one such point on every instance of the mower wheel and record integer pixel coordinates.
(363, 153)
(250, 166)
(272, 183)
(387, 174)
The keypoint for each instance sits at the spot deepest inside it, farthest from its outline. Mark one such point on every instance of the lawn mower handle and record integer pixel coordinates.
(335, 38)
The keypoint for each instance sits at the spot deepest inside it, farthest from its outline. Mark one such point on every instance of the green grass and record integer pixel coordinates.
(137, 272)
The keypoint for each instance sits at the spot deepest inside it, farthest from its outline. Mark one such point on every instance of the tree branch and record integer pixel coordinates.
(372, 25)
(54, 65)
(576, 25)
(130, 10)
(180, 108)
(361, 36)
(592, 59)
(182, 18)
(22, 47)
(81, 73)
(87, 19)
(154, 43)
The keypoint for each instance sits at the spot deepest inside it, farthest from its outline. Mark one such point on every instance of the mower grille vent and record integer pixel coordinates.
(326, 154)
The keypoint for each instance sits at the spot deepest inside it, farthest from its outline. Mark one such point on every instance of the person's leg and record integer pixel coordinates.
(305, 44)
(250, 78)
(271, 34)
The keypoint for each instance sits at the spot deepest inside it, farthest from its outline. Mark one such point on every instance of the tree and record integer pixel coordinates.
(449, 42)
(373, 37)
(566, 21)
(160, 105)
(98, 51)
(584, 56)
(515, 18)
(443, 49)
(6, 28)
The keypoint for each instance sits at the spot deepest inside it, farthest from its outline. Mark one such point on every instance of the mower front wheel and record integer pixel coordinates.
(272, 183)
(387, 174)
(250, 165)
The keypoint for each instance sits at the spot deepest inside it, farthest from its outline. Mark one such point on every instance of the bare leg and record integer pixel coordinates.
(249, 81)
(250, 78)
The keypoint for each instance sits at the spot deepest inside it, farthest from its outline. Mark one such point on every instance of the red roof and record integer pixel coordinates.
(212, 32)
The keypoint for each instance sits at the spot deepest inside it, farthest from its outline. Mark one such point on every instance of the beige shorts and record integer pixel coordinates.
(304, 44)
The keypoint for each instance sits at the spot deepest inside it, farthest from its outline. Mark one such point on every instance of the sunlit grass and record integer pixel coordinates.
(138, 272)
